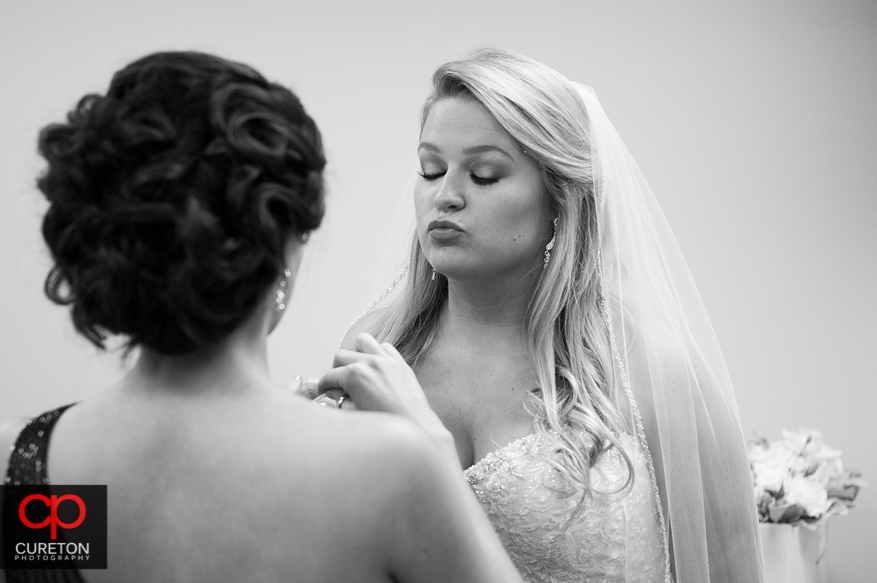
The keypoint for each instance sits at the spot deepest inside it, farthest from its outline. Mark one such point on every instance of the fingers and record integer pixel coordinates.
(345, 357)
(347, 404)
(333, 378)
(367, 344)
(391, 350)
(331, 397)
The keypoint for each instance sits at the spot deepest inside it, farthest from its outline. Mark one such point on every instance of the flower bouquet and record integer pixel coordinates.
(799, 481)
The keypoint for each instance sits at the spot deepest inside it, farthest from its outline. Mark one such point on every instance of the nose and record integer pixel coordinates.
(450, 196)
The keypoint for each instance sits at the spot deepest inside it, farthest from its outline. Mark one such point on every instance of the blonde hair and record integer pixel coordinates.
(568, 337)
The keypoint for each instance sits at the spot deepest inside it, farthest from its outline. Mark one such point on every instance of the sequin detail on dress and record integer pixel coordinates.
(27, 467)
(616, 537)
(27, 458)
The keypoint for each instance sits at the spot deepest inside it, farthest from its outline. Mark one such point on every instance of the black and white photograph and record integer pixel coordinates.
(335, 291)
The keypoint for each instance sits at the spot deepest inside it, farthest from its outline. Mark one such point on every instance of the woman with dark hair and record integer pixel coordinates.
(179, 203)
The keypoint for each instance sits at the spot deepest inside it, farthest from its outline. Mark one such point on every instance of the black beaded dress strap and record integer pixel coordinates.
(27, 460)
(27, 466)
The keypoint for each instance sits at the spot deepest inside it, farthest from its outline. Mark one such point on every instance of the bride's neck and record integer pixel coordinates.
(487, 309)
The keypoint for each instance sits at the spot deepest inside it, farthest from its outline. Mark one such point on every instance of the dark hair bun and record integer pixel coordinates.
(172, 199)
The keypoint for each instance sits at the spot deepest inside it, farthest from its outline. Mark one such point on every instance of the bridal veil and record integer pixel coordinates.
(670, 376)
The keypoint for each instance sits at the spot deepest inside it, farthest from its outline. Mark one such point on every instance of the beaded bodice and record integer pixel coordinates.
(615, 537)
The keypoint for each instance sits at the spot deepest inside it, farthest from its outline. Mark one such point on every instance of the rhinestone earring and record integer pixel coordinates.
(279, 298)
(550, 245)
(433, 274)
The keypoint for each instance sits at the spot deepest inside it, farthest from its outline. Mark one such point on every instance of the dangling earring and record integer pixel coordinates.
(550, 246)
(279, 304)
(433, 274)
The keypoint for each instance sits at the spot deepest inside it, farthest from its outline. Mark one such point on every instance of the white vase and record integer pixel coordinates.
(793, 554)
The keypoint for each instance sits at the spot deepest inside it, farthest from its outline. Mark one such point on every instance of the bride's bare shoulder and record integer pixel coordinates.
(367, 323)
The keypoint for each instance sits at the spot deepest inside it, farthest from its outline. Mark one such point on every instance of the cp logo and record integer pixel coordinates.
(53, 515)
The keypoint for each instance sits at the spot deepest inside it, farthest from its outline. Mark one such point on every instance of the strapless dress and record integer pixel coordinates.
(617, 536)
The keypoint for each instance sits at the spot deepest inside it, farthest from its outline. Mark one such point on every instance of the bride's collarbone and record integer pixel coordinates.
(481, 405)
(493, 367)
(476, 388)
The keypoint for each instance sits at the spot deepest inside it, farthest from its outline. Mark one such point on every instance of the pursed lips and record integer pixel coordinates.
(444, 230)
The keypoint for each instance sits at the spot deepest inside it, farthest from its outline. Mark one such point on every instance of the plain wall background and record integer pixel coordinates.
(754, 122)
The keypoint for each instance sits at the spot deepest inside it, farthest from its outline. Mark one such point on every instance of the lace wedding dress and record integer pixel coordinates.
(616, 537)
(688, 514)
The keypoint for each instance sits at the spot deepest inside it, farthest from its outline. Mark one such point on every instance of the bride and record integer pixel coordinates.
(554, 328)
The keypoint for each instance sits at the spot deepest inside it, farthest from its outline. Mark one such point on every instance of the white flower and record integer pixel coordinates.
(799, 479)
(769, 478)
(775, 456)
(803, 441)
(828, 469)
(809, 495)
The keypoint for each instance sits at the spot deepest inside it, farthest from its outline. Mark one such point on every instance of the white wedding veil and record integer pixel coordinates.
(671, 367)
(670, 377)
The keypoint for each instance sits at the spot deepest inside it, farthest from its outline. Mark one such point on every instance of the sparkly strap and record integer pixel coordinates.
(27, 461)
(27, 467)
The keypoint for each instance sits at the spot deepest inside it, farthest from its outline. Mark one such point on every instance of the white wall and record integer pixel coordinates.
(754, 122)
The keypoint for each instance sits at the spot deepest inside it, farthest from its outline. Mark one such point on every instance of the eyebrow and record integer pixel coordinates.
(468, 151)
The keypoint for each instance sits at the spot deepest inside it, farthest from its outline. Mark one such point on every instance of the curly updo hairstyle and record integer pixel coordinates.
(173, 198)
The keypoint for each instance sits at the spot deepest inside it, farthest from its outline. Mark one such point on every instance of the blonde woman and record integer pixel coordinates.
(555, 330)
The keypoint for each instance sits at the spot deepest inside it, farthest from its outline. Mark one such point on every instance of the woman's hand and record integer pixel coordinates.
(377, 378)
(308, 389)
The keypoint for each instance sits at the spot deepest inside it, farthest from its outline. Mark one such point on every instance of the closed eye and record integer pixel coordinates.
(482, 181)
(431, 176)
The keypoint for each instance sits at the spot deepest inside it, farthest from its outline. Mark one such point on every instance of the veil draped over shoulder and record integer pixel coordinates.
(671, 368)
(670, 377)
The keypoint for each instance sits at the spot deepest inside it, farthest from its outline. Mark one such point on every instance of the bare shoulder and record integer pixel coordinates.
(383, 453)
(366, 323)
(377, 436)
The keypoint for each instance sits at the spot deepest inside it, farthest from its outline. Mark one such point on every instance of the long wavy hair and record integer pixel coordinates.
(568, 336)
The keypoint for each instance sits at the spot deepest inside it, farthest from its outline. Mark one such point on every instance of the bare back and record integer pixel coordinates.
(259, 487)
